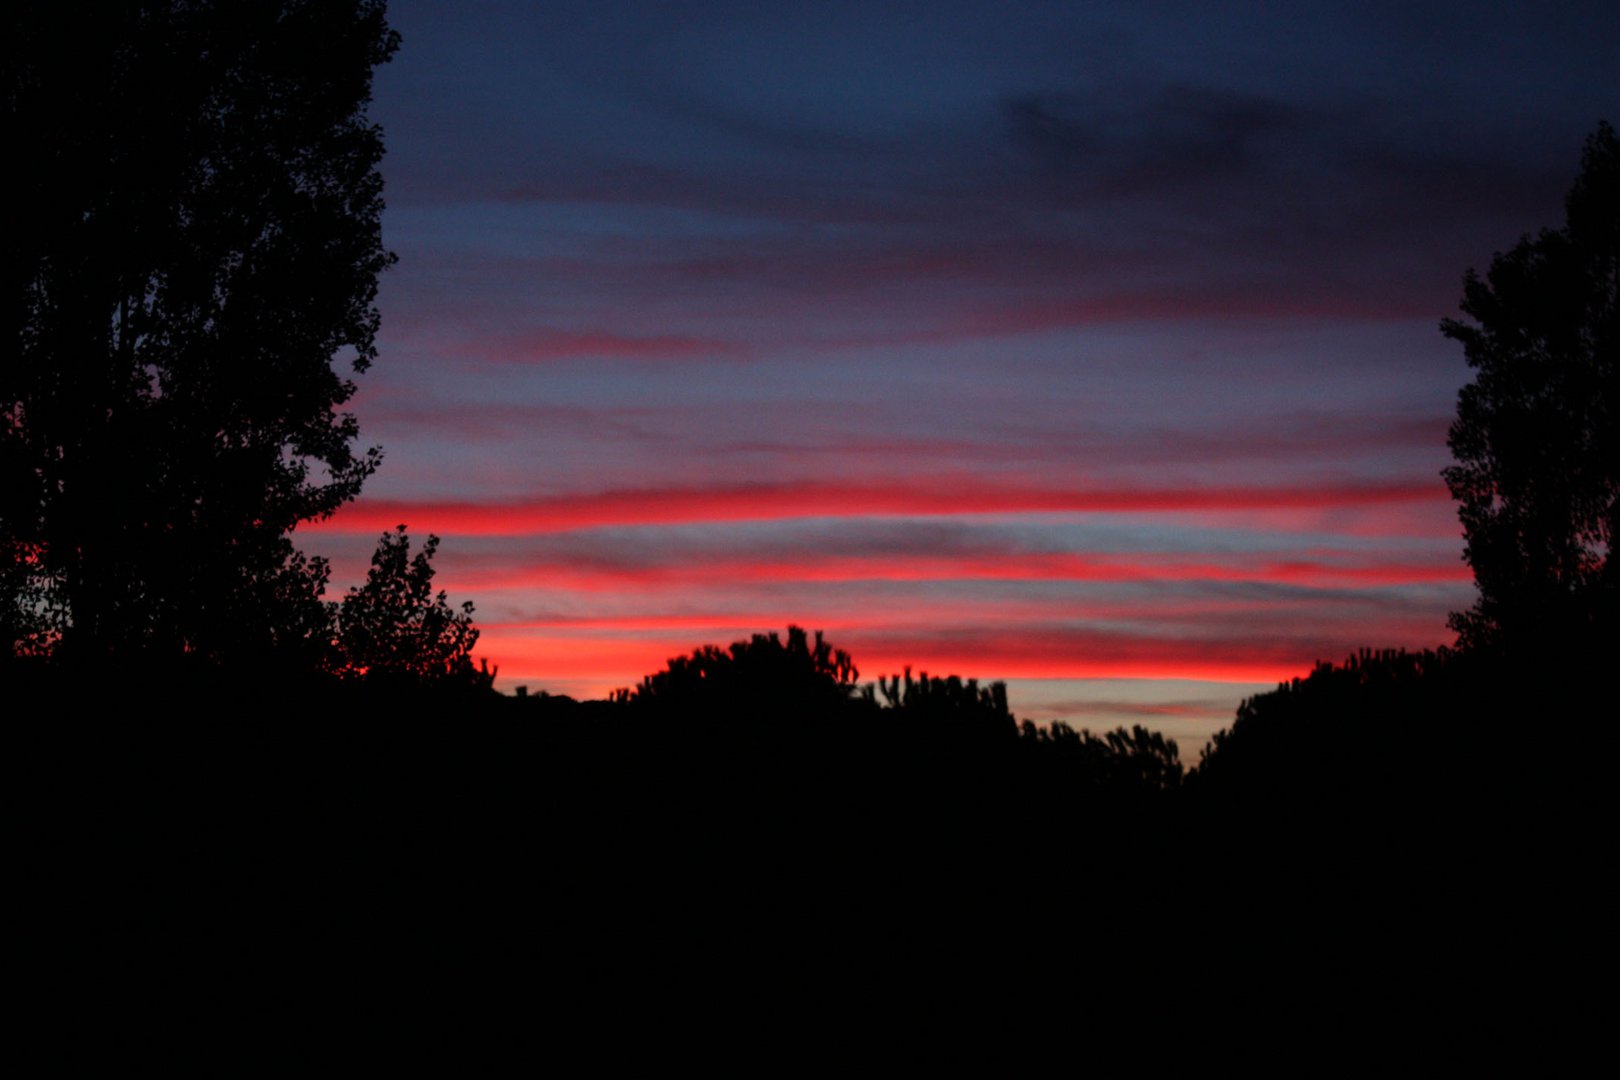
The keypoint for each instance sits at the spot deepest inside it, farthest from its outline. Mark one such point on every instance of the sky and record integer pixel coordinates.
(1089, 347)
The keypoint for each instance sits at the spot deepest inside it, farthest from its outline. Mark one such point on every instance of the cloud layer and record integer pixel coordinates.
(1020, 340)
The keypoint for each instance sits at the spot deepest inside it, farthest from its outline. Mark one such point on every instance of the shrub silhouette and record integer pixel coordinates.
(758, 678)
(1137, 761)
(961, 704)
(1383, 725)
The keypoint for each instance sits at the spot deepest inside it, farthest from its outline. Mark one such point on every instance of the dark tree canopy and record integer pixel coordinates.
(1537, 434)
(394, 627)
(193, 244)
(761, 677)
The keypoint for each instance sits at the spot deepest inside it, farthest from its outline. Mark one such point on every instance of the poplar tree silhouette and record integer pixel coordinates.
(192, 249)
(1537, 434)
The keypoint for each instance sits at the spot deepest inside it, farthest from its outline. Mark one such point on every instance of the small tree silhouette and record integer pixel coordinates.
(395, 628)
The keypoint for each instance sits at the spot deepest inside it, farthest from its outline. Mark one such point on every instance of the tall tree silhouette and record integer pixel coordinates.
(193, 243)
(1537, 434)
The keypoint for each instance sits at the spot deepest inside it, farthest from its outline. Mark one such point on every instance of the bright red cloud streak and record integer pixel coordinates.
(919, 568)
(926, 496)
(593, 657)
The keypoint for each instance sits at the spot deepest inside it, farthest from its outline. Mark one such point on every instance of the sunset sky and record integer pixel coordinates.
(1089, 347)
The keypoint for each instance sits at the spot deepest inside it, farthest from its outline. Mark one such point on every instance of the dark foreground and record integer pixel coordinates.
(362, 851)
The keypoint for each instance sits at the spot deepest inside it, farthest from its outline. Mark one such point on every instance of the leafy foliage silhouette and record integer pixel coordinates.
(1376, 725)
(949, 700)
(193, 247)
(395, 629)
(763, 676)
(1537, 434)
(1134, 761)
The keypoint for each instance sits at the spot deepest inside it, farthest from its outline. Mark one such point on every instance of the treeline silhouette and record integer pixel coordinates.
(760, 821)
(755, 810)
(759, 817)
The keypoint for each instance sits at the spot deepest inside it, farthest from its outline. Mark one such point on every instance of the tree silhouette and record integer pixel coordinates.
(1119, 762)
(763, 677)
(1537, 434)
(951, 700)
(395, 629)
(193, 243)
(1382, 725)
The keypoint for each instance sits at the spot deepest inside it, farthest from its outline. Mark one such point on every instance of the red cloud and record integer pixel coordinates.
(596, 576)
(925, 496)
